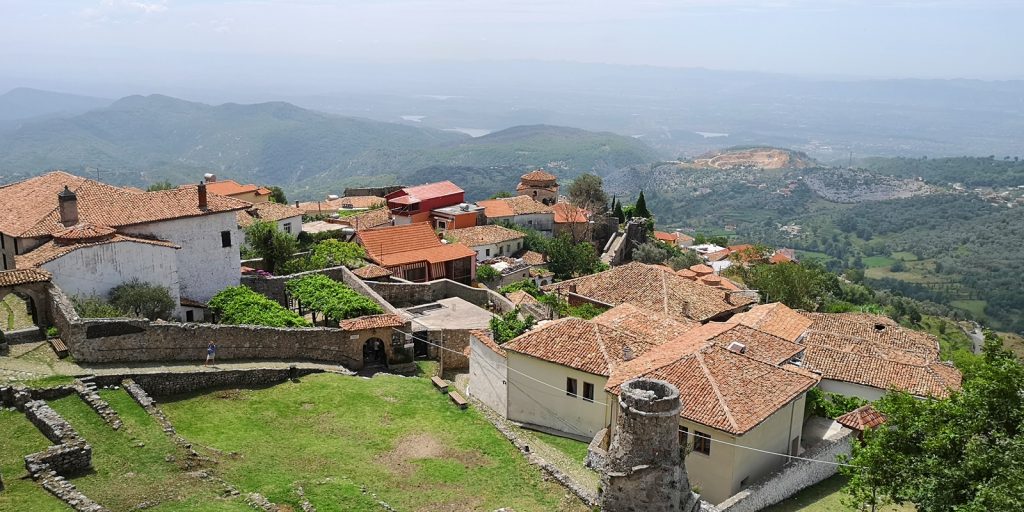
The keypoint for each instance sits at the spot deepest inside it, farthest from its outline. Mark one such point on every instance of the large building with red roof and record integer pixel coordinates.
(414, 252)
(410, 205)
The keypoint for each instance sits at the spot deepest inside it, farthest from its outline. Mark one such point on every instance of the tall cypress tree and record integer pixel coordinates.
(619, 214)
(641, 207)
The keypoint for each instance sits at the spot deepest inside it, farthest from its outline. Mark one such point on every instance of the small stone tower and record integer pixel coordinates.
(540, 185)
(645, 470)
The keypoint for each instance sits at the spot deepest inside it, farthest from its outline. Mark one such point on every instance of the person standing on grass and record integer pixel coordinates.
(211, 354)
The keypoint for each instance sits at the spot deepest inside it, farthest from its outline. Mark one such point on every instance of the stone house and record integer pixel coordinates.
(488, 241)
(540, 186)
(414, 252)
(519, 210)
(122, 233)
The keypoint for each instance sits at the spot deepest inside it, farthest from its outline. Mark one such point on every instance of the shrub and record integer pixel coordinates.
(508, 326)
(334, 300)
(326, 254)
(487, 274)
(143, 300)
(273, 245)
(239, 305)
(95, 307)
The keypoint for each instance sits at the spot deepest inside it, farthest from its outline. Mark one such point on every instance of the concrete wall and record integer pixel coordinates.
(534, 403)
(488, 374)
(204, 266)
(849, 389)
(791, 478)
(97, 269)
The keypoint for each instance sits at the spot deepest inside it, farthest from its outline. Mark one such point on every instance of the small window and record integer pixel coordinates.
(701, 442)
(588, 391)
(501, 250)
(570, 387)
(442, 224)
(488, 252)
(225, 239)
(288, 227)
(190, 316)
(5, 261)
(684, 436)
(2, 238)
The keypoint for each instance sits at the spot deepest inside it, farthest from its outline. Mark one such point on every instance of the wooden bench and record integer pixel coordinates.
(59, 347)
(457, 398)
(440, 383)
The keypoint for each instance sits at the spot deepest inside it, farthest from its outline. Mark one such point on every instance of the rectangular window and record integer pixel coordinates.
(588, 391)
(2, 238)
(225, 239)
(570, 387)
(701, 442)
(5, 261)
(288, 227)
(488, 252)
(190, 316)
(684, 436)
(442, 224)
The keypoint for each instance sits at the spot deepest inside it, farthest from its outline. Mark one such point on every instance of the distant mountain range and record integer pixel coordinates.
(140, 140)
(24, 103)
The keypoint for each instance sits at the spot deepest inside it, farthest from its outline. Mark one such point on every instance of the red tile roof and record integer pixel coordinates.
(531, 258)
(581, 344)
(484, 235)
(266, 211)
(519, 297)
(54, 249)
(701, 269)
(23, 276)
(511, 206)
(29, 208)
(411, 243)
(485, 338)
(371, 322)
(422, 192)
(775, 318)
(644, 323)
(862, 418)
(719, 388)
(652, 288)
(232, 188)
(566, 213)
(538, 175)
(666, 237)
(83, 232)
(371, 271)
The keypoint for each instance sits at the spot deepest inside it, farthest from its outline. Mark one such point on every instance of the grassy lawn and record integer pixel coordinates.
(575, 450)
(878, 261)
(131, 465)
(904, 256)
(952, 340)
(14, 314)
(826, 496)
(335, 436)
(974, 307)
(18, 439)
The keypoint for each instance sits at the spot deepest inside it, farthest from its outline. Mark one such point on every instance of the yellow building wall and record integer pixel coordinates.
(534, 403)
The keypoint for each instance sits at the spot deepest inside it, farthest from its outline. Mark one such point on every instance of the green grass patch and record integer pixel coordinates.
(904, 256)
(50, 381)
(131, 464)
(575, 450)
(974, 307)
(826, 496)
(334, 435)
(18, 439)
(878, 261)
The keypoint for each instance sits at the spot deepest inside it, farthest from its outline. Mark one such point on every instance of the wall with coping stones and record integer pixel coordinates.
(406, 294)
(64, 459)
(52, 425)
(273, 287)
(28, 335)
(166, 383)
(792, 477)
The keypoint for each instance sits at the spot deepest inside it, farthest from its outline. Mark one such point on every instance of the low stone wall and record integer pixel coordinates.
(29, 335)
(451, 339)
(51, 424)
(167, 383)
(792, 477)
(68, 493)
(64, 459)
(597, 455)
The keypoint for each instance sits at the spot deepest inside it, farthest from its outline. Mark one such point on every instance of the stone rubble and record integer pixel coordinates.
(86, 389)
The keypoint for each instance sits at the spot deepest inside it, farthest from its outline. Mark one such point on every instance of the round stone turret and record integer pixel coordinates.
(540, 185)
(645, 470)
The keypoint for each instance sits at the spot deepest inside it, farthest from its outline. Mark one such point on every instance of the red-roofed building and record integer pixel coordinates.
(414, 252)
(540, 186)
(233, 189)
(410, 205)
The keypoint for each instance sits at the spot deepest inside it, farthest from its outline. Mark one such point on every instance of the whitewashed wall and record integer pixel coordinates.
(532, 402)
(488, 251)
(97, 269)
(849, 389)
(204, 267)
(296, 224)
(488, 374)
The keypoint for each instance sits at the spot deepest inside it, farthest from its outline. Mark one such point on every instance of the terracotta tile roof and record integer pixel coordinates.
(581, 344)
(371, 271)
(684, 237)
(369, 219)
(496, 208)
(330, 206)
(687, 273)
(862, 418)
(719, 388)
(371, 322)
(566, 213)
(267, 211)
(23, 276)
(29, 208)
(485, 338)
(652, 288)
(666, 237)
(874, 351)
(759, 345)
(411, 243)
(484, 235)
(53, 249)
(531, 258)
(231, 188)
(83, 232)
(775, 318)
(190, 303)
(779, 257)
(701, 269)
(519, 297)
(538, 175)
(644, 323)
(422, 192)
(510, 206)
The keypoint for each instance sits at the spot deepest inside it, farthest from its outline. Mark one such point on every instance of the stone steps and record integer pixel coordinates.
(86, 389)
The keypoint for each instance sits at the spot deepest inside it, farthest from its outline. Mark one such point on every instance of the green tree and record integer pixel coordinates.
(160, 185)
(144, 300)
(277, 195)
(500, 194)
(487, 274)
(641, 207)
(586, 192)
(650, 252)
(335, 253)
(95, 307)
(958, 454)
(507, 326)
(805, 285)
(273, 245)
(684, 259)
(567, 259)
(238, 305)
(619, 214)
(533, 239)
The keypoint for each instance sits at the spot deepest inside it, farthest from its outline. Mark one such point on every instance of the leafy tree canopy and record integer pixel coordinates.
(958, 454)
(586, 192)
(805, 285)
(238, 305)
(277, 195)
(143, 300)
(273, 245)
(160, 185)
(641, 207)
(507, 326)
(568, 259)
(487, 273)
(335, 300)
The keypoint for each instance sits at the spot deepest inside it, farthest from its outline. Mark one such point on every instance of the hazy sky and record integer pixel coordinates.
(196, 40)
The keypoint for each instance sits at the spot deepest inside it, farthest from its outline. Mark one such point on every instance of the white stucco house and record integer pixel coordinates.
(288, 218)
(519, 210)
(488, 241)
(93, 236)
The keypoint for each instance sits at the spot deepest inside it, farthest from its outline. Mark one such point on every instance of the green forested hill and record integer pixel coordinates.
(24, 103)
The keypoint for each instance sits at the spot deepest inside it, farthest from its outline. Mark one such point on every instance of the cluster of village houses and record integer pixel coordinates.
(743, 369)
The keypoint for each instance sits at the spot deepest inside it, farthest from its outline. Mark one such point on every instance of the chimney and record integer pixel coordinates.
(210, 177)
(202, 196)
(68, 202)
(627, 353)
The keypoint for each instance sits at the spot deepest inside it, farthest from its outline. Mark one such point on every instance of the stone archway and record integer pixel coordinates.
(374, 352)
